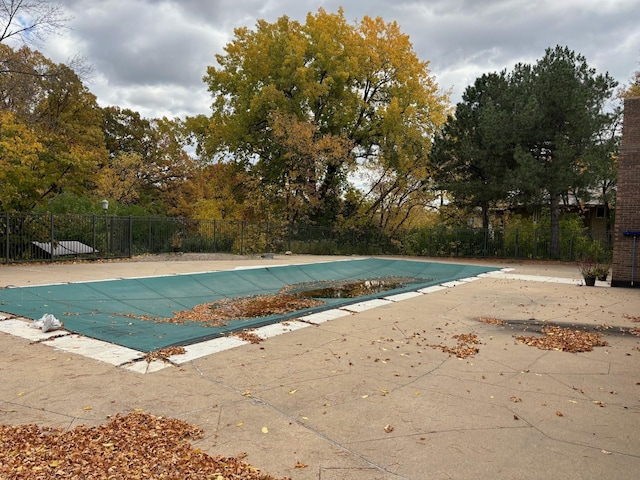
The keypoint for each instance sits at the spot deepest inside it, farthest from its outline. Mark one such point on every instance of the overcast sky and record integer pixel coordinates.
(151, 55)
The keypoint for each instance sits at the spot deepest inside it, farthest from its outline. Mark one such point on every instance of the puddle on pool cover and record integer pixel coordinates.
(353, 288)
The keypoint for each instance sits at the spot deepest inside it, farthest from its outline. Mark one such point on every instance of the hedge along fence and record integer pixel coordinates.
(515, 242)
(37, 237)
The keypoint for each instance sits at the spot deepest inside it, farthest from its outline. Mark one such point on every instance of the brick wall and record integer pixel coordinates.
(628, 200)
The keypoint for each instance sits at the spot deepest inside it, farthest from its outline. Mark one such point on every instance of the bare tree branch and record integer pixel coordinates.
(30, 21)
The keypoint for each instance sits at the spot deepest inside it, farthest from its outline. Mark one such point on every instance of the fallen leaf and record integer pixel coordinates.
(239, 424)
(606, 452)
(265, 430)
(301, 465)
(291, 392)
(87, 408)
(515, 399)
(388, 428)
(559, 413)
(365, 396)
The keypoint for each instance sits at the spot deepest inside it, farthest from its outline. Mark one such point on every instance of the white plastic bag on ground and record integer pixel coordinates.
(47, 323)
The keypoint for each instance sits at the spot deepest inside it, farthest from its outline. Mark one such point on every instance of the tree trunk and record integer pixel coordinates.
(485, 215)
(554, 247)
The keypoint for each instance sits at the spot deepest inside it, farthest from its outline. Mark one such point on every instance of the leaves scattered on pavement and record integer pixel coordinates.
(564, 339)
(559, 338)
(465, 347)
(491, 321)
(248, 336)
(136, 445)
(164, 353)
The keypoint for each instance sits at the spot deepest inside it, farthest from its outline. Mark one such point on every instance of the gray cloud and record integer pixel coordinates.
(151, 55)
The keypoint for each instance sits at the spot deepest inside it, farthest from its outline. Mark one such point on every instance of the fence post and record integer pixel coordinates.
(6, 238)
(130, 236)
(332, 247)
(215, 240)
(266, 240)
(571, 246)
(456, 242)
(535, 244)
(93, 234)
(486, 240)
(242, 237)
(110, 243)
(52, 235)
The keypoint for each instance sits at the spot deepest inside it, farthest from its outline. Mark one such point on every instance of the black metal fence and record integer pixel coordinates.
(38, 237)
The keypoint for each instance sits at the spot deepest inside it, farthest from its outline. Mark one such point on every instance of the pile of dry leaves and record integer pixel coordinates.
(137, 445)
(164, 353)
(564, 339)
(465, 347)
(491, 321)
(219, 312)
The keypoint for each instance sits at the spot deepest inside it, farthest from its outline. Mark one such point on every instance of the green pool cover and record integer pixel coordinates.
(114, 310)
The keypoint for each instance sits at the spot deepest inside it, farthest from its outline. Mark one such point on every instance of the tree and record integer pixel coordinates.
(125, 131)
(535, 135)
(120, 179)
(30, 21)
(472, 156)
(59, 111)
(335, 85)
(158, 149)
(560, 111)
(306, 158)
(224, 191)
(19, 159)
(633, 88)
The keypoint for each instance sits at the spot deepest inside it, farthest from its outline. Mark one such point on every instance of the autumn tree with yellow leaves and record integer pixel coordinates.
(303, 106)
(53, 118)
(633, 88)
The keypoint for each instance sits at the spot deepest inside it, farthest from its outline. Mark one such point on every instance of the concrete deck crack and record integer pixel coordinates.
(295, 420)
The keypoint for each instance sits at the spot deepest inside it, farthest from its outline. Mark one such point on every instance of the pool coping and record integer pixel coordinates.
(135, 361)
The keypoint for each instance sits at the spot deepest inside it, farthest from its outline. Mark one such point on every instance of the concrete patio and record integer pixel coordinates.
(365, 395)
